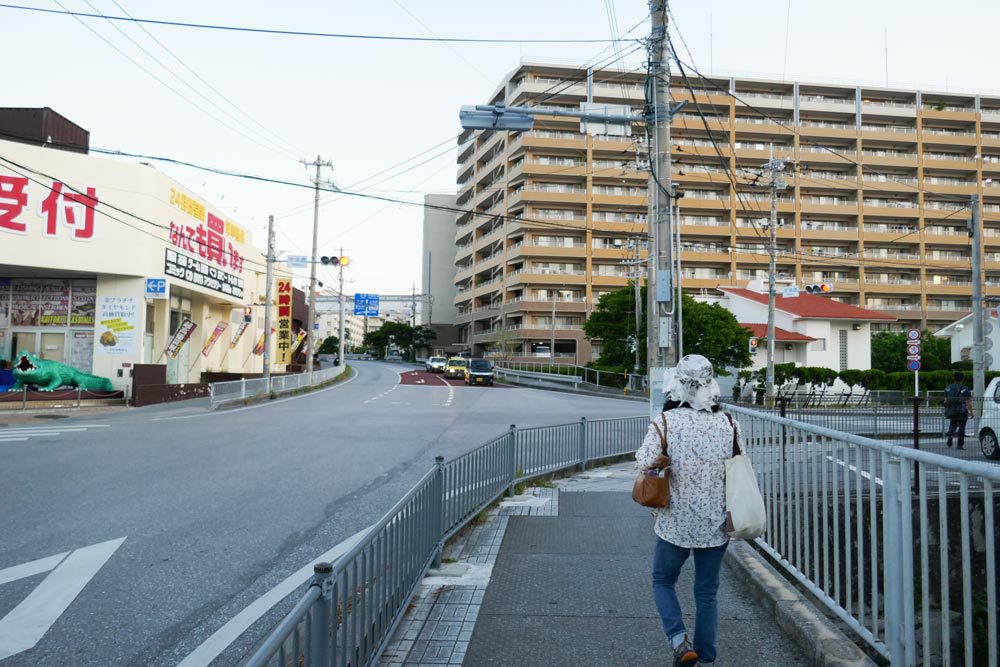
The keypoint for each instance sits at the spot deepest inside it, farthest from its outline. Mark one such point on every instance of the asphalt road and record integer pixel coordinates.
(200, 513)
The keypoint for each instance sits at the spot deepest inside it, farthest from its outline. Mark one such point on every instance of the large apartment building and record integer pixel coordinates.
(877, 196)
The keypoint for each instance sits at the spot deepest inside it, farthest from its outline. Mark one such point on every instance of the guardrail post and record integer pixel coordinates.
(319, 649)
(24, 397)
(511, 458)
(783, 411)
(439, 498)
(79, 391)
(243, 387)
(893, 556)
(583, 444)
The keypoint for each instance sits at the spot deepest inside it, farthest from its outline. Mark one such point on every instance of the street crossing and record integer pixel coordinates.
(20, 434)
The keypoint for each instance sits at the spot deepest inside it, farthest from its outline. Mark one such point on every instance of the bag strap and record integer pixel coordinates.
(736, 445)
(662, 433)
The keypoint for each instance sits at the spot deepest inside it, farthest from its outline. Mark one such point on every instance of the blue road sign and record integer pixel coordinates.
(157, 288)
(913, 365)
(366, 305)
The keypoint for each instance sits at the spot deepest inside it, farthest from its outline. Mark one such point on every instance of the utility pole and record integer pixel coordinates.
(552, 328)
(340, 326)
(310, 332)
(269, 278)
(661, 348)
(775, 183)
(675, 198)
(413, 305)
(978, 365)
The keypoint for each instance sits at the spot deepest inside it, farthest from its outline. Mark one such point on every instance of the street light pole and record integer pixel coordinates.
(340, 328)
(269, 277)
(978, 320)
(311, 325)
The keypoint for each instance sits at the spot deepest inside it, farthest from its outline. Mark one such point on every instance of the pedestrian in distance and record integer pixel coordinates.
(957, 408)
(699, 438)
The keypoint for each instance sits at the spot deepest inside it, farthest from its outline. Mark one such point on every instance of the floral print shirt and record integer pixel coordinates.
(698, 444)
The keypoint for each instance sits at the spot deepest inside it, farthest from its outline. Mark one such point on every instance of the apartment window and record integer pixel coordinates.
(843, 349)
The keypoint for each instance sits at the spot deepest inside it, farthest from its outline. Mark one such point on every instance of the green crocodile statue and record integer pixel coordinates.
(50, 375)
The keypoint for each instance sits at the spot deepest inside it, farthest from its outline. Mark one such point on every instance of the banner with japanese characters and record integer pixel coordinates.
(216, 334)
(258, 349)
(203, 274)
(238, 334)
(83, 301)
(299, 337)
(283, 291)
(184, 331)
(117, 325)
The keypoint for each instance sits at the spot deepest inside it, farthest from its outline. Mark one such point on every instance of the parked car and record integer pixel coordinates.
(436, 364)
(456, 367)
(479, 371)
(989, 426)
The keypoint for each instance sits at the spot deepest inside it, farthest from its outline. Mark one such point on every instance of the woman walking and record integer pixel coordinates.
(699, 440)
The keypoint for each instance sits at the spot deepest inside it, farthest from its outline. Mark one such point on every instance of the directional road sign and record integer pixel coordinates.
(157, 288)
(297, 261)
(366, 305)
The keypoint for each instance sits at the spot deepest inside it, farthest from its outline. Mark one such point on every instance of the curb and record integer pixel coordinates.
(819, 639)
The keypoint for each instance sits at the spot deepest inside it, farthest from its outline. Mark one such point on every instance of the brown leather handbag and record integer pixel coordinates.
(652, 486)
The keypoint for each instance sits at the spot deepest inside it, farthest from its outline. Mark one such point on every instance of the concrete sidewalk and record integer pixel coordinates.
(561, 576)
(575, 589)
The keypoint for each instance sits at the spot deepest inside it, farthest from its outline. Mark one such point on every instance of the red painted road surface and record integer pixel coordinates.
(432, 379)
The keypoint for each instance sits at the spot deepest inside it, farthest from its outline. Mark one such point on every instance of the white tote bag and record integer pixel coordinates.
(746, 517)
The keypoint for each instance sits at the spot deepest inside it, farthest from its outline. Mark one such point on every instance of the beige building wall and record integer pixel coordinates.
(128, 241)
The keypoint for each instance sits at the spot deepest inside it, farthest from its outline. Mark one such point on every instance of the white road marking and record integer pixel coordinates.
(11, 439)
(69, 427)
(852, 468)
(31, 568)
(259, 405)
(28, 622)
(451, 396)
(220, 640)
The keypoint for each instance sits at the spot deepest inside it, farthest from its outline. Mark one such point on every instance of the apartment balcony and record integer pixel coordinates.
(536, 168)
(956, 288)
(817, 155)
(549, 139)
(759, 154)
(810, 179)
(943, 187)
(828, 205)
(942, 137)
(946, 259)
(681, 149)
(463, 318)
(540, 250)
(616, 254)
(882, 233)
(945, 313)
(705, 283)
(842, 257)
(892, 258)
(530, 195)
(612, 144)
(692, 175)
(532, 276)
(891, 285)
(608, 280)
(763, 127)
(463, 273)
(876, 183)
(890, 208)
(828, 232)
(529, 304)
(990, 139)
(764, 101)
(939, 236)
(887, 108)
(828, 130)
(685, 121)
(829, 104)
(876, 159)
(933, 162)
(694, 253)
(899, 134)
(694, 202)
(705, 98)
(463, 233)
(618, 170)
(935, 211)
(714, 228)
(487, 287)
(619, 200)
(462, 251)
(960, 114)
(748, 231)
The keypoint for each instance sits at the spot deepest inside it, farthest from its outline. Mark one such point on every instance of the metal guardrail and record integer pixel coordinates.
(596, 380)
(351, 607)
(239, 390)
(900, 544)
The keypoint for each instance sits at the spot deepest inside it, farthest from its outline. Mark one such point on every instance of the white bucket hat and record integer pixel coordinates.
(692, 382)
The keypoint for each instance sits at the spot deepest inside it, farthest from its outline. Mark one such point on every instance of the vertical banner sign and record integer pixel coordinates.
(117, 318)
(181, 336)
(258, 349)
(284, 345)
(238, 334)
(299, 337)
(216, 334)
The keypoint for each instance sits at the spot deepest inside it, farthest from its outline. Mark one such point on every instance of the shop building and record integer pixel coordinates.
(105, 264)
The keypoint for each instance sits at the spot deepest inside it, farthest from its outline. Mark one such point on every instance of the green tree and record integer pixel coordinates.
(713, 332)
(888, 352)
(399, 335)
(709, 330)
(331, 345)
(613, 323)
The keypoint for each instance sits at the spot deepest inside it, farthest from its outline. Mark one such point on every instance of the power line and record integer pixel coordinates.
(165, 84)
(301, 33)
(215, 90)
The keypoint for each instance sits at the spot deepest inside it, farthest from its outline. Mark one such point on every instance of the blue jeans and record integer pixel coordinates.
(667, 562)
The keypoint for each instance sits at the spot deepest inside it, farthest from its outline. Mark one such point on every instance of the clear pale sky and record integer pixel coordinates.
(367, 105)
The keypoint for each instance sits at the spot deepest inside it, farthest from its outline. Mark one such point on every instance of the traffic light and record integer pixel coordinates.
(820, 288)
(334, 261)
(247, 314)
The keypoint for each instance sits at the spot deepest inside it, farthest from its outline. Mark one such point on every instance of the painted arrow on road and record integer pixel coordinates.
(69, 573)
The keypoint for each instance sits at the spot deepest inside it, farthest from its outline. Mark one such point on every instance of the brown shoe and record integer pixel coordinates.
(684, 655)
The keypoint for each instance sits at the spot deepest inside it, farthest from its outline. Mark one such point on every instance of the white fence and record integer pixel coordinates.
(240, 390)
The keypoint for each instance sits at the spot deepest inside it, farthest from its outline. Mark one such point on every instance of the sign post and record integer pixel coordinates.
(913, 358)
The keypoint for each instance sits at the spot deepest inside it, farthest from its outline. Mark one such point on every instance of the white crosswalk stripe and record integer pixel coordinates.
(20, 434)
